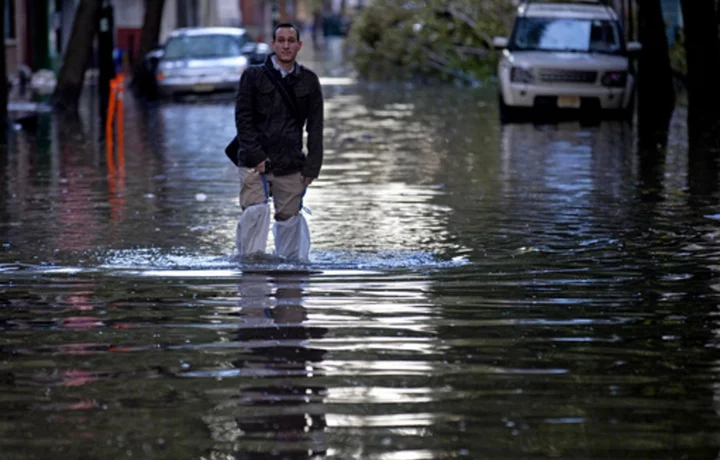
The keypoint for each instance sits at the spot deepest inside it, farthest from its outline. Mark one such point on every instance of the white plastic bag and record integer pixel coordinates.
(252, 230)
(292, 238)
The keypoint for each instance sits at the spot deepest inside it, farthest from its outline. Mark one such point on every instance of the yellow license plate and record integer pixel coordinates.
(203, 87)
(568, 102)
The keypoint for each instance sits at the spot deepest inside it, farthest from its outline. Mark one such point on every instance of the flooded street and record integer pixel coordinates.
(474, 291)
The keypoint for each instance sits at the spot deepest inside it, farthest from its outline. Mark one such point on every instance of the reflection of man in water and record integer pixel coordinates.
(281, 416)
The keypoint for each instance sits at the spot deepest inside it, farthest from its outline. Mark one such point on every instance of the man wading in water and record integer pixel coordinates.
(274, 102)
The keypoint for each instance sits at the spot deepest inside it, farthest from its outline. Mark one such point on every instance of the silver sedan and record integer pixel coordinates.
(205, 59)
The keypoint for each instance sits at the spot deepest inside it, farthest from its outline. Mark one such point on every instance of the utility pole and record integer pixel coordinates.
(106, 63)
(40, 36)
(3, 83)
(275, 14)
(270, 18)
(623, 20)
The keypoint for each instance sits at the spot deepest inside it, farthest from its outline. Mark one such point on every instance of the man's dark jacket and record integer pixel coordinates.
(268, 129)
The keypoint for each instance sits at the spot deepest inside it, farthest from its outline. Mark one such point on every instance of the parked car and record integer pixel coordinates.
(565, 56)
(202, 60)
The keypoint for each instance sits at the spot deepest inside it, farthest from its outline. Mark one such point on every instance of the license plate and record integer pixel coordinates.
(568, 102)
(203, 87)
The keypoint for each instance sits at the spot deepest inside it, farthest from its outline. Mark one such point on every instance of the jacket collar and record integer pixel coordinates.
(270, 63)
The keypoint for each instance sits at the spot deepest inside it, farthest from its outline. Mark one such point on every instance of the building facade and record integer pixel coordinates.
(199, 13)
(13, 43)
(36, 33)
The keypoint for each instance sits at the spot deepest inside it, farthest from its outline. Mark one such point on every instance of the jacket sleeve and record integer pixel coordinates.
(247, 133)
(315, 124)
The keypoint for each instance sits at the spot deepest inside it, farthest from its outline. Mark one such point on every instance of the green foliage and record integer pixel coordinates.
(437, 39)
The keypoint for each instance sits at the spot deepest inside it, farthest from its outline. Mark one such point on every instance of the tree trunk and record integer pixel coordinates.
(79, 48)
(656, 92)
(151, 27)
(4, 81)
(702, 47)
(143, 78)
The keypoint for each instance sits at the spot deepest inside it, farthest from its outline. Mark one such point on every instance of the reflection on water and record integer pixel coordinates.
(474, 291)
(281, 413)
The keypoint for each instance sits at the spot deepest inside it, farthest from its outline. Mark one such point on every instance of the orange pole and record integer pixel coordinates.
(120, 125)
(109, 128)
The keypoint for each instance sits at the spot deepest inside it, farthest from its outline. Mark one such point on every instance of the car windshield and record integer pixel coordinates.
(202, 46)
(566, 34)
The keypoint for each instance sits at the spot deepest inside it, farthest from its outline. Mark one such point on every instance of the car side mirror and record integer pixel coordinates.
(255, 52)
(155, 53)
(634, 47)
(249, 48)
(262, 48)
(499, 42)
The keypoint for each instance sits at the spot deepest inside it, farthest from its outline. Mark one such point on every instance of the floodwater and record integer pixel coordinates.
(474, 291)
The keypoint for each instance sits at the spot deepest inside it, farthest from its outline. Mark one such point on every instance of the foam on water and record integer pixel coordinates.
(180, 262)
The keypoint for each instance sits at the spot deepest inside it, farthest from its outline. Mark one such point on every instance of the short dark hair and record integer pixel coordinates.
(284, 25)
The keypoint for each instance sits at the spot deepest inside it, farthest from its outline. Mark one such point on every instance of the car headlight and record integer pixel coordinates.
(166, 70)
(521, 75)
(614, 79)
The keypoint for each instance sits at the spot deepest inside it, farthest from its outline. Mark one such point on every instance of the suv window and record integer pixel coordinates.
(565, 34)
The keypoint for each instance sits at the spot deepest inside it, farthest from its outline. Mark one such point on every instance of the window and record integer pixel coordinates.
(9, 19)
(202, 46)
(564, 34)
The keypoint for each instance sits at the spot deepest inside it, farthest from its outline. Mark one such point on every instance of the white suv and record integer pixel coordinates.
(565, 56)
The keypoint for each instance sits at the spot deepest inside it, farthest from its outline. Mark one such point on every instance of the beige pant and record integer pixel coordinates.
(287, 192)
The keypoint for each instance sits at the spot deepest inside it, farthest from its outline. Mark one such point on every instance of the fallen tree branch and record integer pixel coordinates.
(438, 63)
(470, 22)
(472, 50)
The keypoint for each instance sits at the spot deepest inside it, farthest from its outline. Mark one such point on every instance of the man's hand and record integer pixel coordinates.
(261, 167)
(307, 180)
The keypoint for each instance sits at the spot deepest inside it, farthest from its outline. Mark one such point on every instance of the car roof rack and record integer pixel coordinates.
(594, 2)
(605, 3)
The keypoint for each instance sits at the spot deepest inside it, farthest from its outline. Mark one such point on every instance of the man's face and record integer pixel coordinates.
(286, 45)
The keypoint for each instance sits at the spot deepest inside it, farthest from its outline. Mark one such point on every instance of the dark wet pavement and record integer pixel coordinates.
(474, 291)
